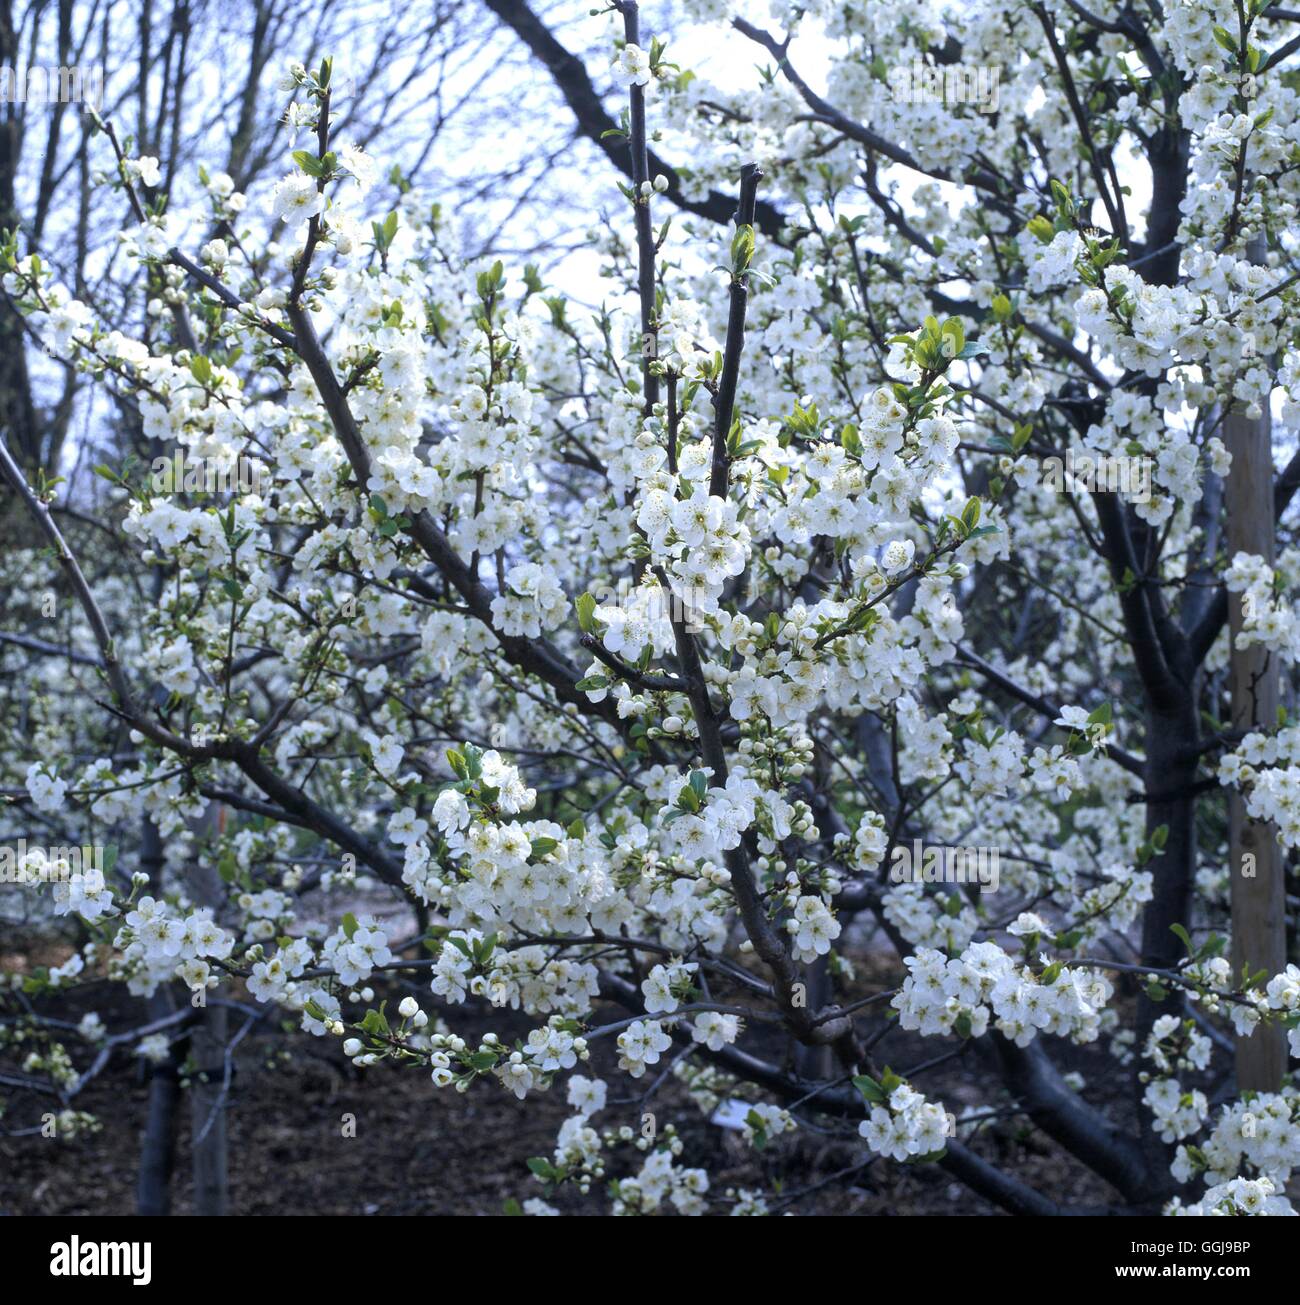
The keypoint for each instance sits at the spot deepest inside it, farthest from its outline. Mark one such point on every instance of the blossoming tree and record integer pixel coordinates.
(625, 650)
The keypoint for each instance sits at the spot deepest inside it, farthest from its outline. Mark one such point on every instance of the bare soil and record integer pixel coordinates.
(418, 1150)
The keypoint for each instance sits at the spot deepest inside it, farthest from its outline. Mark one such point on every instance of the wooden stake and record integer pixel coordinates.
(1255, 861)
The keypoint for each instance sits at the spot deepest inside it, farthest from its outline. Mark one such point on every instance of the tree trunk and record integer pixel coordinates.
(158, 1150)
(158, 1146)
(1171, 748)
(208, 1090)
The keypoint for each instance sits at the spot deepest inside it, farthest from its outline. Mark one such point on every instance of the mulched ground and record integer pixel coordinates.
(418, 1150)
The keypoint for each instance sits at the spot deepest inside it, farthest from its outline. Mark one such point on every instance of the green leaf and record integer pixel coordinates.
(375, 1022)
(755, 1122)
(742, 249)
(870, 1089)
(1041, 229)
(930, 1158)
(309, 163)
(541, 1166)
